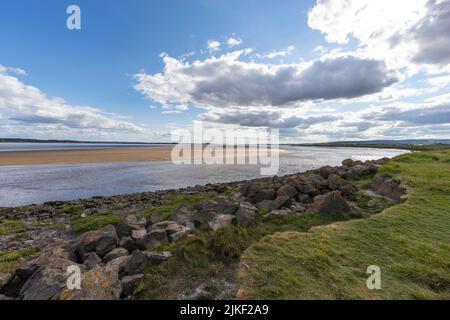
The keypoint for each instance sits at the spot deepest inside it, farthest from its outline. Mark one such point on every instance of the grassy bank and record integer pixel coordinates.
(409, 242)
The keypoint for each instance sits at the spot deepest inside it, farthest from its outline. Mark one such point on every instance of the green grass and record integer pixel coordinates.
(9, 260)
(12, 226)
(409, 242)
(174, 202)
(91, 223)
(71, 209)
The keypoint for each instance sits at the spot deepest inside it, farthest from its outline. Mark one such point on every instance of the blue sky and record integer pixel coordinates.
(96, 67)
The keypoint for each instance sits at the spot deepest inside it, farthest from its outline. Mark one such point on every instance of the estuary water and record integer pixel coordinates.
(22, 185)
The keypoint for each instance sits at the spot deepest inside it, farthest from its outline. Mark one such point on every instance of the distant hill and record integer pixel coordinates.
(19, 140)
(392, 142)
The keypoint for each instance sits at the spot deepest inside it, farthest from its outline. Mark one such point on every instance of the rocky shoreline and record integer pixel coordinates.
(113, 240)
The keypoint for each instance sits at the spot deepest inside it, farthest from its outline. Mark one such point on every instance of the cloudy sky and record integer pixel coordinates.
(316, 70)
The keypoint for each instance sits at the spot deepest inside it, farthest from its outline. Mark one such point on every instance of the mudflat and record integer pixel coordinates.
(110, 155)
(84, 156)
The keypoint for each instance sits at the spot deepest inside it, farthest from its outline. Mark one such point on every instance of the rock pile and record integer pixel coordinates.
(112, 260)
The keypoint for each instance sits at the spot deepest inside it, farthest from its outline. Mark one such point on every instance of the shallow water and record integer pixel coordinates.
(21, 185)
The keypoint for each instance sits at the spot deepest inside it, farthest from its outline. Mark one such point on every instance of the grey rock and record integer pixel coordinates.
(222, 221)
(174, 237)
(135, 264)
(127, 243)
(246, 214)
(281, 201)
(265, 194)
(115, 253)
(130, 283)
(90, 260)
(123, 230)
(331, 202)
(156, 258)
(101, 241)
(388, 187)
(304, 198)
(100, 283)
(287, 191)
(138, 234)
(152, 239)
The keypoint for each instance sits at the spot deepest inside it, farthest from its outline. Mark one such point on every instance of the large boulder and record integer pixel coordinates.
(332, 202)
(135, 264)
(287, 191)
(361, 170)
(388, 187)
(347, 162)
(90, 260)
(100, 283)
(47, 281)
(101, 241)
(183, 216)
(222, 221)
(264, 194)
(246, 214)
(281, 201)
(308, 188)
(152, 239)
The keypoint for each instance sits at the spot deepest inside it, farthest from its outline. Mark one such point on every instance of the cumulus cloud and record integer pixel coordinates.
(24, 104)
(233, 42)
(265, 118)
(213, 45)
(228, 81)
(281, 53)
(414, 32)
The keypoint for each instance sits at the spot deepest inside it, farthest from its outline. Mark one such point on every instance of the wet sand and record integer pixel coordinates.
(112, 155)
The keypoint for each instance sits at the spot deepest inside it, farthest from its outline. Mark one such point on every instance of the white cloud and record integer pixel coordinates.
(213, 45)
(439, 82)
(232, 42)
(228, 81)
(278, 54)
(413, 32)
(25, 105)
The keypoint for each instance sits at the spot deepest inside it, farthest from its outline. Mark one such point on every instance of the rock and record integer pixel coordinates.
(115, 253)
(265, 194)
(277, 213)
(127, 243)
(152, 239)
(47, 281)
(331, 202)
(287, 191)
(174, 237)
(388, 187)
(183, 216)
(253, 189)
(100, 283)
(135, 222)
(304, 198)
(130, 283)
(5, 298)
(281, 201)
(170, 227)
(318, 182)
(135, 264)
(138, 234)
(123, 230)
(154, 218)
(246, 214)
(308, 189)
(359, 170)
(156, 258)
(326, 171)
(266, 204)
(347, 162)
(101, 241)
(335, 182)
(117, 262)
(222, 221)
(90, 260)
(296, 208)
(5, 279)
